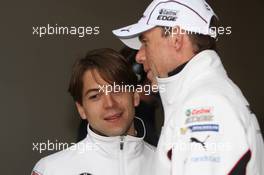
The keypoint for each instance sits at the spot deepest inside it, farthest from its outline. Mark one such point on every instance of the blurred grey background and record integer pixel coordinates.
(34, 71)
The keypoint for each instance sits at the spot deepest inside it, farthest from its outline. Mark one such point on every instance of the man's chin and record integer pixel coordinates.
(152, 79)
(116, 133)
(113, 131)
(110, 131)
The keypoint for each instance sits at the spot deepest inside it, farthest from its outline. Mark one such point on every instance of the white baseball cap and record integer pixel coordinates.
(190, 15)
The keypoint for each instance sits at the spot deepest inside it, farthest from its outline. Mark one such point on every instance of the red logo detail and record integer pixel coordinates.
(201, 111)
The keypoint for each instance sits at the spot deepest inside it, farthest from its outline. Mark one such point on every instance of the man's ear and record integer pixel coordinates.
(80, 110)
(136, 99)
(176, 38)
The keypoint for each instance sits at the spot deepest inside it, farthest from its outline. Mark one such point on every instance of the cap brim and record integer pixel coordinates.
(129, 35)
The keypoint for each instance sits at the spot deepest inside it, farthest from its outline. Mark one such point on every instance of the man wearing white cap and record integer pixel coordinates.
(208, 128)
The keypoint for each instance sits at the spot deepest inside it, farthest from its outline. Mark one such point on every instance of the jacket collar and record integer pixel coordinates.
(113, 146)
(176, 86)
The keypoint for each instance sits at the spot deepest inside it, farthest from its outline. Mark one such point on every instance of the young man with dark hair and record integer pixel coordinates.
(209, 128)
(113, 145)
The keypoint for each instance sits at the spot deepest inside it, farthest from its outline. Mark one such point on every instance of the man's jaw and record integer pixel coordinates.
(150, 75)
(152, 78)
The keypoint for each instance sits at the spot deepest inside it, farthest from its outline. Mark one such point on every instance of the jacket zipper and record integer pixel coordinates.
(121, 158)
(122, 143)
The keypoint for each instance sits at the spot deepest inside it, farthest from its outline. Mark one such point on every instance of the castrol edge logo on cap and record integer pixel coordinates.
(167, 15)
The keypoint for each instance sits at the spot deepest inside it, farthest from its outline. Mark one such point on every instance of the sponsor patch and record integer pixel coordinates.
(215, 159)
(167, 15)
(200, 128)
(203, 114)
(198, 111)
(203, 118)
(195, 140)
(184, 130)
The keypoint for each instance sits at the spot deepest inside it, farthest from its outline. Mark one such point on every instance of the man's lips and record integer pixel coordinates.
(113, 117)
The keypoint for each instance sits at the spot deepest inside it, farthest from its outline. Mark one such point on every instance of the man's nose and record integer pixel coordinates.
(140, 57)
(109, 100)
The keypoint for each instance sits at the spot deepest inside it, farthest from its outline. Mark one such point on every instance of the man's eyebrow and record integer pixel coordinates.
(91, 90)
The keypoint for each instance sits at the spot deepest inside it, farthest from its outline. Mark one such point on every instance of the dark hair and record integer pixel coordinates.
(202, 42)
(130, 55)
(111, 66)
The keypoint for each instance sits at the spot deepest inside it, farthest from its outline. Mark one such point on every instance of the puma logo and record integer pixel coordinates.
(195, 140)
